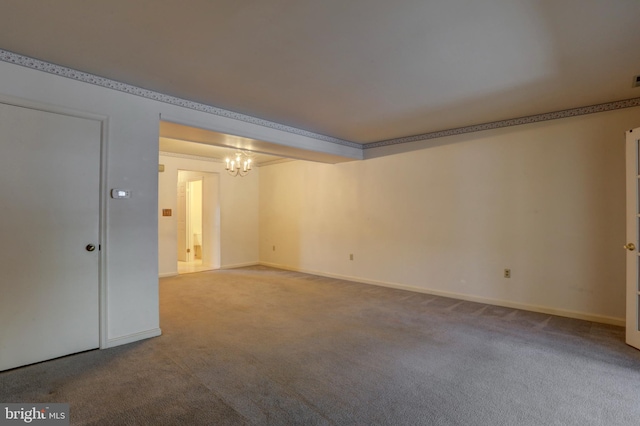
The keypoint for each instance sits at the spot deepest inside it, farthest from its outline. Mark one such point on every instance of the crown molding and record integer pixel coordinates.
(25, 61)
(84, 77)
(573, 112)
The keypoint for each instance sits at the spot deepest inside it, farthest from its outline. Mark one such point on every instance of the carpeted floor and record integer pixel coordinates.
(265, 346)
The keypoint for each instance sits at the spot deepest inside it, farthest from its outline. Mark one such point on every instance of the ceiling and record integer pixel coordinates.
(221, 145)
(213, 152)
(357, 70)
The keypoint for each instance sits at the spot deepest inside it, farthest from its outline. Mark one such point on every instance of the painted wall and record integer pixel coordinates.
(129, 259)
(238, 213)
(546, 200)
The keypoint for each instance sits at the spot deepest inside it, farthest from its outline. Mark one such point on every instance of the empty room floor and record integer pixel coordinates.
(265, 346)
(192, 266)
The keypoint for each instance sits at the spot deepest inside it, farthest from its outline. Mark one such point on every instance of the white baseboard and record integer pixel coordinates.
(130, 338)
(471, 298)
(240, 265)
(168, 274)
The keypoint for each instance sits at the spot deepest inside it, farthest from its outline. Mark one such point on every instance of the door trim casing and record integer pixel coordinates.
(632, 177)
(102, 209)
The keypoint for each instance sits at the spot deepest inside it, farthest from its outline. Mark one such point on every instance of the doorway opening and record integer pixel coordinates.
(198, 215)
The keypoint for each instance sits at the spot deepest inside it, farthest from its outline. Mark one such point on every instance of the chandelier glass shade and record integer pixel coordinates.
(240, 165)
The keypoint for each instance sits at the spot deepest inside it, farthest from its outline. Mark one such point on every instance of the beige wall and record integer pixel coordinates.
(238, 213)
(546, 200)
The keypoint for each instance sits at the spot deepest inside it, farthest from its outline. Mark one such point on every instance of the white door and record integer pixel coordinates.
(194, 218)
(633, 238)
(188, 236)
(182, 220)
(50, 198)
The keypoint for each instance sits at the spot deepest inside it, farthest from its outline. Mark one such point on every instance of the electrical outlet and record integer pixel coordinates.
(351, 256)
(507, 273)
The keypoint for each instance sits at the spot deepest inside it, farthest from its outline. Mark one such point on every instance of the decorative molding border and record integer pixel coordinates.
(573, 112)
(39, 65)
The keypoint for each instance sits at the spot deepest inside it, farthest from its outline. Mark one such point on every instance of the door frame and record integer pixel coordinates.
(632, 154)
(211, 222)
(187, 219)
(102, 196)
(189, 228)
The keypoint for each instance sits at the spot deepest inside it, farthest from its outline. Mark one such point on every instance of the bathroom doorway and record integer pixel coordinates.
(198, 221)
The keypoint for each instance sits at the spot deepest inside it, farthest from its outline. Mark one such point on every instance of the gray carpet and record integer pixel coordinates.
(264, 346)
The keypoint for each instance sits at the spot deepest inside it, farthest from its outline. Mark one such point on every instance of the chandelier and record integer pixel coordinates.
(240, 165)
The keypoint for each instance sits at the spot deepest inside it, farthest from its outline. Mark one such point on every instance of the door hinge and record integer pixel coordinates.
(188, 250)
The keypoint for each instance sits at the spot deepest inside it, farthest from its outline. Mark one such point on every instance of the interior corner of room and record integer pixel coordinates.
(509, 185)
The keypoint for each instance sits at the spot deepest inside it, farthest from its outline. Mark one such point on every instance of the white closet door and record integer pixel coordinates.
(49, 220)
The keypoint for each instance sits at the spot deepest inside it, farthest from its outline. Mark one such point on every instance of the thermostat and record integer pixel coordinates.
(120, 193)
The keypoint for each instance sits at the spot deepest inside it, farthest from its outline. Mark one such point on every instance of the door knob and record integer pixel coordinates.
(630, 246)
(90, 247)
